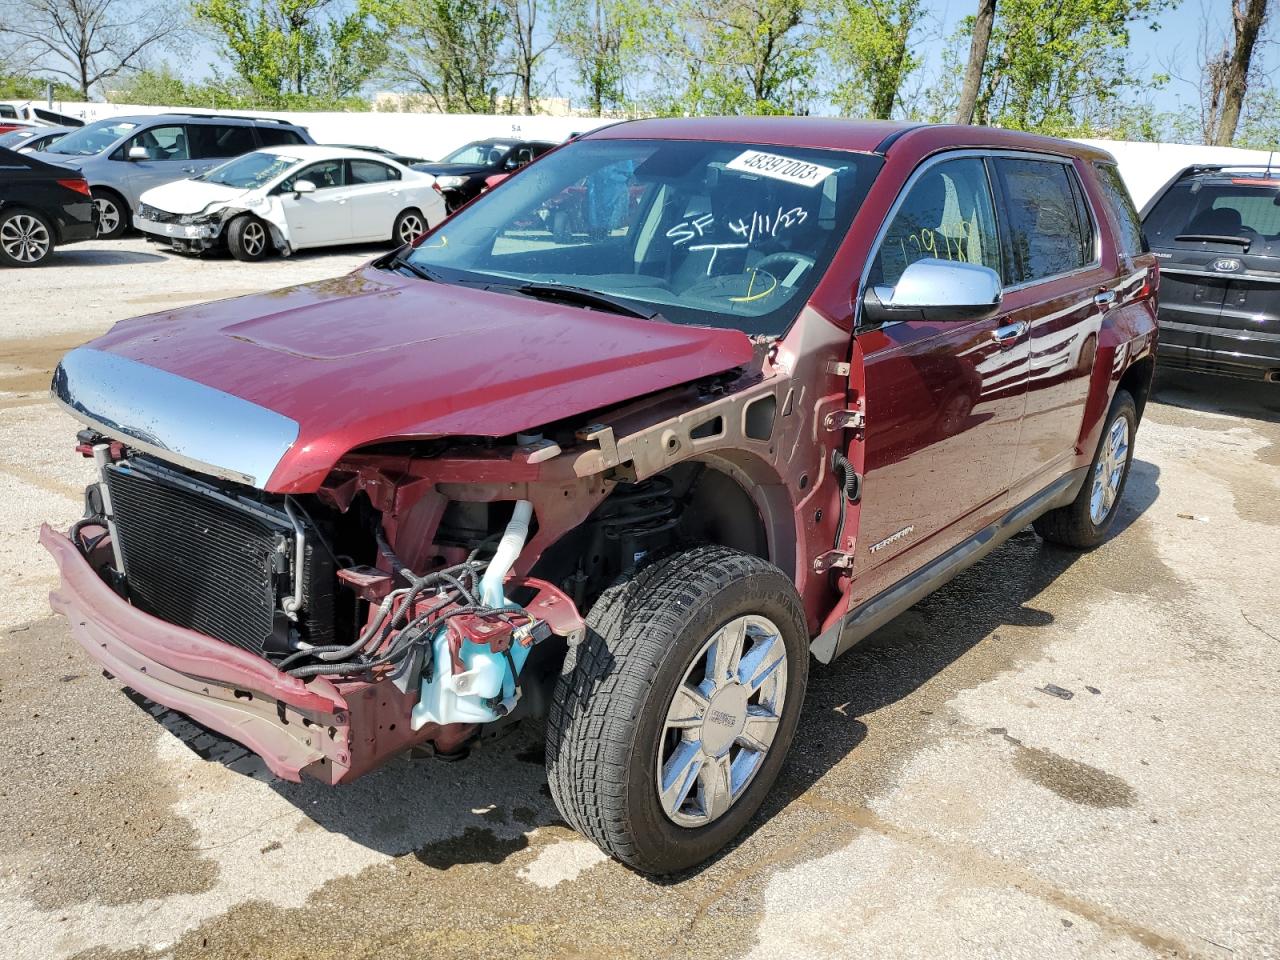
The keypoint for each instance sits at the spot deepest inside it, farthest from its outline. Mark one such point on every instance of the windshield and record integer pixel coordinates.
(249, 172)
(1247, 210)
(479, 154)
(92, 139)
(720, 234)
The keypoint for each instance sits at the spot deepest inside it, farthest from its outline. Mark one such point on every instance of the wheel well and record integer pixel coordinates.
(693, 502)
(1137, 381)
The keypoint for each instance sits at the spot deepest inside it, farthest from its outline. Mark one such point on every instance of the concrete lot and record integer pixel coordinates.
(939, 804)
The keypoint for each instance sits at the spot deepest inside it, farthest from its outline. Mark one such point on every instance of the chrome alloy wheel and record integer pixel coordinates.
(411, 227)
(722, 721)
(108, 215)
(254, 238)
(1109, 471)
(25, 238)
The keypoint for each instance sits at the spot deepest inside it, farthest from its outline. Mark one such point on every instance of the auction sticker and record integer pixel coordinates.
(780, 168)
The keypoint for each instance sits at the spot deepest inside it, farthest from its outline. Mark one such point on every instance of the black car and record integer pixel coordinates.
(461, 175)
(1216, 230)
(41, 206)
(401, 158)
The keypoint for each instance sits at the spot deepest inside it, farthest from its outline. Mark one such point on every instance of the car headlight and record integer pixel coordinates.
(450, 183)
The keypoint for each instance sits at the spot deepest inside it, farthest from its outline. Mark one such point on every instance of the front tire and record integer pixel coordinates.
(26, 238)
(1083, 523)
(673, 716)
(248, 238)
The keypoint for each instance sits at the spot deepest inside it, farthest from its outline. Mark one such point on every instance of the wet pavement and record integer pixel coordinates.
(1056, 755)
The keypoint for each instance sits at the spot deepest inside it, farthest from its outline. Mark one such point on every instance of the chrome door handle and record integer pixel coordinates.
(1105, 299)
(1009, 333)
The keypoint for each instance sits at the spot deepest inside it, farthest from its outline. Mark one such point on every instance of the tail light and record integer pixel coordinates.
(1150, 282)
(79, 186)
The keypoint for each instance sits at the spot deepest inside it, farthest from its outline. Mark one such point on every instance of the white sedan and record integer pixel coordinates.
(289, 198)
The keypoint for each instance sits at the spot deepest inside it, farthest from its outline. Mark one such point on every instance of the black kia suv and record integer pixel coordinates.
(1216, 230)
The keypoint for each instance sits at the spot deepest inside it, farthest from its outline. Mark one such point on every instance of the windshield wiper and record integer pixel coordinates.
(564, 293)
(422, 273)
(1214, 238)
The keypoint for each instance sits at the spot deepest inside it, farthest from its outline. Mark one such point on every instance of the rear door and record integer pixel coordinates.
(375, 198)
(944, 400)
(1057, 283)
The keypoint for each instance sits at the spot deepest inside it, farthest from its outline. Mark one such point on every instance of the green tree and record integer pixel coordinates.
(735, 56)
(299, 48)
(602, 40)
(450, 51)
(1057, 68)
(869, 42)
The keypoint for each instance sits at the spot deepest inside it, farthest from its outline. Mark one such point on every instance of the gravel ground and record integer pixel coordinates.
(938, 803)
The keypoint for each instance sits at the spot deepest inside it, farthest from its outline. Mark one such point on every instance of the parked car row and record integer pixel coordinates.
(199, 182)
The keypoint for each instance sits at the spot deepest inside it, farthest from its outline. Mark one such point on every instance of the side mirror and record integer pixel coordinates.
(303, 186)
(935, 290)
(139, 153)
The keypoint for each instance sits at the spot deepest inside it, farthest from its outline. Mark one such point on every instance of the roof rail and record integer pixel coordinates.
(223, 116)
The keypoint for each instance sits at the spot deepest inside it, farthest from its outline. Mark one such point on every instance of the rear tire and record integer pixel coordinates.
(248, 238)
(26, 238)
(1083, 523)
(113, 213)
(409, 226)
(638, 707)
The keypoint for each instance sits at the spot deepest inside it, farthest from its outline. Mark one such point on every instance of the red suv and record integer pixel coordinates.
(778, 380)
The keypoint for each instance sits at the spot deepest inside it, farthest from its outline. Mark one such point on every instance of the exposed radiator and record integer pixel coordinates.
(199, 558)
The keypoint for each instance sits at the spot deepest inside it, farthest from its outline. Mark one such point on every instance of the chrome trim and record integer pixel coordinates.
(1217, 275)
(173, 418)
(1228, 333)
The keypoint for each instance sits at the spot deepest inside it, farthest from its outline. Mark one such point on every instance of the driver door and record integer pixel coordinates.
(943, 399)
(324, 216)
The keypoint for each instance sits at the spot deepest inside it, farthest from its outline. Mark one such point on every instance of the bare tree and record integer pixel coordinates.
(1247, 19)
(528, 47)
(86, 41)
(977, 60)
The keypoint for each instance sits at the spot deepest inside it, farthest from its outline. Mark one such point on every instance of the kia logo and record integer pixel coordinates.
(1226, 264)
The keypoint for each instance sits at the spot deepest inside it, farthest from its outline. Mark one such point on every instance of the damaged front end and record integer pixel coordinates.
(293, 625)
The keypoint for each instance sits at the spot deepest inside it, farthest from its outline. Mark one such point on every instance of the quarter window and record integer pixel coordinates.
(947, 215)
(1048, 230)
(1129, 227)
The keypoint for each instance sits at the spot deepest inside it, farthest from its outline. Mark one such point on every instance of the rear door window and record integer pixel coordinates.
(1047, 227)
(1128, 226)
(370, 171)
(278, 137)
(1241, 214)
(217, 141)
(947, 215)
